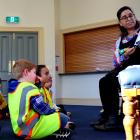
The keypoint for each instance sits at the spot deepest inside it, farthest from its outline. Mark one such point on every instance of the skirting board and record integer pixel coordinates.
(72, 101)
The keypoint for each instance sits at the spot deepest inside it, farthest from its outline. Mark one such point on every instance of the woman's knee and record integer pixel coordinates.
(102, 80)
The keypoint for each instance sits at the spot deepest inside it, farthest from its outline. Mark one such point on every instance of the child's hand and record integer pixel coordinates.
(57, 110)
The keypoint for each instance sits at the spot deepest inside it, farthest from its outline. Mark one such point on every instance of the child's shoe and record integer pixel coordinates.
(62, 134)
(71, 125)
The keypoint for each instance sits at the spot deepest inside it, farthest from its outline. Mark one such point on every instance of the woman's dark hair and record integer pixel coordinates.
(122, 29)
(39, 68)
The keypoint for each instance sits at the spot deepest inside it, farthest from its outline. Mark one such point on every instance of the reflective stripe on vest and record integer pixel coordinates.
(26, 128)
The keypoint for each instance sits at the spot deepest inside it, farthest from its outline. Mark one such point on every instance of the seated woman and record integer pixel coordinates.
(126, 53)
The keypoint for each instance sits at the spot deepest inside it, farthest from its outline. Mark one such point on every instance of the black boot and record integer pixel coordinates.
(109, 125)
(103, 117)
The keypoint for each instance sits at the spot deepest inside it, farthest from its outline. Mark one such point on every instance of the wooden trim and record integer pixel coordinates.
(39, 30)
(90, 26)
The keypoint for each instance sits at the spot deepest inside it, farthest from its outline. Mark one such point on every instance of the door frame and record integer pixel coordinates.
(39, 30)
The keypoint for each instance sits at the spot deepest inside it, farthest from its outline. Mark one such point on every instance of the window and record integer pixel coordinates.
(90, 50)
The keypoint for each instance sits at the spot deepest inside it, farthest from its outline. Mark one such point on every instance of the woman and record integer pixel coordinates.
(126, 53)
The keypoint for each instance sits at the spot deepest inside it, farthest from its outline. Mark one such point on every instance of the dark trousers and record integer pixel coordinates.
(109, 92)
(109, 85)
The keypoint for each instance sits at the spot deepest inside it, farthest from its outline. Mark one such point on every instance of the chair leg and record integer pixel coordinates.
(129, 118)
(137, 130)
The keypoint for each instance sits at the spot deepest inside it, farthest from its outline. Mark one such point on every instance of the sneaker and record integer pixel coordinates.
(62, 134)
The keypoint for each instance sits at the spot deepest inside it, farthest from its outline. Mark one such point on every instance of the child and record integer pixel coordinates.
(31, 117)
(4, 112)
(59, 107)
(45, 86)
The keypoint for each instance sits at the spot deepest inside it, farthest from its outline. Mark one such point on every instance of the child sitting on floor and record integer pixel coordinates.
(4, 112)
(31, 117)
(45, 85)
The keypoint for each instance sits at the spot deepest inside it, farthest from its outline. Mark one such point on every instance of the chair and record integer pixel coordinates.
(130, 89)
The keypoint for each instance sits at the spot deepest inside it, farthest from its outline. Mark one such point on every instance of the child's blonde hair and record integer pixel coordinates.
(20, 66)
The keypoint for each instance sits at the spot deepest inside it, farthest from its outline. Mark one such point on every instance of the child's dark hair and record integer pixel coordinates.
(38, 69)
(122, 29)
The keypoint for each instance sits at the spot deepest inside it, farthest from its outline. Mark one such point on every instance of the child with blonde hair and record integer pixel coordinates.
(31, 117)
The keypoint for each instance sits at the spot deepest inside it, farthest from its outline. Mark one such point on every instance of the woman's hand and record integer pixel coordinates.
(129, 51)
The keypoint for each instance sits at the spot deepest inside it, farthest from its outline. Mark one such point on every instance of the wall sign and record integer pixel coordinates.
(12, 19)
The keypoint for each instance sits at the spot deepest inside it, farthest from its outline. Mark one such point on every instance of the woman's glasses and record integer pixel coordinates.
(126, 17)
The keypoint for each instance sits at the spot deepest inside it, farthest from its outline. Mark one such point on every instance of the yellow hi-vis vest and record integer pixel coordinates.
(25, 121)
(46, 96)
